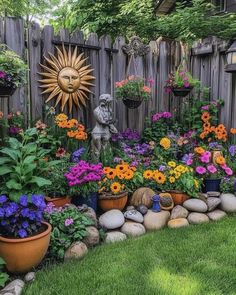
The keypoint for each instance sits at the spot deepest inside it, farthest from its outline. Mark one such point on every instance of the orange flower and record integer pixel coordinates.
(203, 135)
(129, 174)
(80, 135)
(233, 130)
(111, 174)
(206, 125)
(221, 127)
(80, 127)
(146, 89)
(62, 124)
(122, 168)
(71, 134)
(199, 150)
(205, 117)
(220, 160)
(213, 128)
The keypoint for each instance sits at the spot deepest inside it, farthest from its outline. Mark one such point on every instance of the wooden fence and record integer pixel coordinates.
(110, 64)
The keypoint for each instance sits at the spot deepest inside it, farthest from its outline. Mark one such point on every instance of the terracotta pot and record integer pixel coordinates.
(108, 201)
(178, 197)
(21, 255)
(58, 202)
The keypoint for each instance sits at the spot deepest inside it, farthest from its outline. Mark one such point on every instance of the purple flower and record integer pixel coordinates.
(232, 150)
(77, 154)
(201, 170)
(38, 201)
(162, 168)
(22, 233)
(211, 168)
(1, 212)
(2, 75)
(23, 200)
(3, 199)
(25, 224)
(11, 209)
(14, 130)
(69, 221)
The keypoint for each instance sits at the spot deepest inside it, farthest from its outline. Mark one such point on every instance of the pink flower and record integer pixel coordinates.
(151, 82)
(2, 74)
(211, 168)
(69, 221)
(60, 153)
(186, 84)
(205, 108)
(204, 159)
(228, 171)
(200, 170)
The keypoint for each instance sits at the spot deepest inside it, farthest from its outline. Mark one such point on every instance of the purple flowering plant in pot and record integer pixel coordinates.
(83, 180)
(24, 237)
(68, 226)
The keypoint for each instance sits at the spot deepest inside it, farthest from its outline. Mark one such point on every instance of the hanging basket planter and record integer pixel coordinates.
(132, 103)
(181, 92)
(7, 90)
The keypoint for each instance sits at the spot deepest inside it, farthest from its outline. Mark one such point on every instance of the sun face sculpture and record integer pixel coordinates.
(67, 78)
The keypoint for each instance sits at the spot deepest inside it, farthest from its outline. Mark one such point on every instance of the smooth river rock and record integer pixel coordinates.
(213, 194)
(92, 238)
(228, 203)
(13, 288)
(156, 220)
(76, 250)
(112, 219)
(115, 236)
(133, 229)
(195, 205)
(179, 222)
(178, 212)
(216, 215)
(134, 215)
(197, 218)
(212, 203)
(90, 213)
(142, 209)
(29, 277)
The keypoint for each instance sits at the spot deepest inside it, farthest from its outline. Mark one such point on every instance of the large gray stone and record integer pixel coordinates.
(76, 251)
(115, 236)
(197, 218)
(133, 229)
(92, 215)
(179, 212)
(112, 219)
(228, 203)
(213, 194)
(212, 203)
(195, 205)
(142, 209)
(13, 288)
(134, 215)
(156, 220)
(179, 222)
(216, 215)
(92, 238)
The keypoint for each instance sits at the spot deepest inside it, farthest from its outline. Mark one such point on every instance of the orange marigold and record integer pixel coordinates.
(199, 150)
(220, 160)
(233, 130)
(205, 117)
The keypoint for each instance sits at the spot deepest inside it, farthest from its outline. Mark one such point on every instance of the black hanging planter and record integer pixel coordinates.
(7, 90)
(181, 92)
(132, 103)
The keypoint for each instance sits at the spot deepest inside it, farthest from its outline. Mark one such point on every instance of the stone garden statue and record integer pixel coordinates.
(104, 127)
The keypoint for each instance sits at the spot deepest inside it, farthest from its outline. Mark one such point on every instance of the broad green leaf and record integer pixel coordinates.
(29, 168)
(5, 170)
(13, 154)
(40, 181)
(13, 184)
(4, 160)
(14, 143)
(29, 160)
(30, 148)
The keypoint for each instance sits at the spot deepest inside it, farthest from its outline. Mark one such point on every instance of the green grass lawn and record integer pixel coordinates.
(198, 260)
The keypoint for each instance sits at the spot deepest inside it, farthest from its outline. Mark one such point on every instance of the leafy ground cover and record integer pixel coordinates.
(195, 260)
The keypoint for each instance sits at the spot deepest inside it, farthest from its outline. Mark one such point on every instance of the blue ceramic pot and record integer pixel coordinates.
(211, 185)
(90, 200)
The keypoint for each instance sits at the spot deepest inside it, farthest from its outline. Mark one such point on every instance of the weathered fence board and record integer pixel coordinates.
(206, 61)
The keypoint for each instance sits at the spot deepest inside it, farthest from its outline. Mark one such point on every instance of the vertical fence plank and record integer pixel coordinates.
(15, 39)
(3, 100)
(34, 48)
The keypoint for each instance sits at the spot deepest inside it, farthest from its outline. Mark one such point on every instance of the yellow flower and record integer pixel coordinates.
(102, 189)
(115, 187)
(160, 178)
(148, 174)
(61, 117)
(171, 164)
(111, 174)
(196, 183)
(122, 168)
(171, 179)
(129, 174)
(180, 168)
(165, 143)
(172, 172)
(177, 174)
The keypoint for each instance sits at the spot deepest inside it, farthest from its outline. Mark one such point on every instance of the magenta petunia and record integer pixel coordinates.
(212, 169)
(200, 170)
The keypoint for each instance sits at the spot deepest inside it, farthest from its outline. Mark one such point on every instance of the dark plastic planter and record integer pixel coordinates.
(7, 90)
(132, 103)
(211, 185)
(181, 92)
(91, 200)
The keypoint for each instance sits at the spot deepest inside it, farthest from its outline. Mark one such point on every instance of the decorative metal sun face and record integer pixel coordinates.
(67, 78)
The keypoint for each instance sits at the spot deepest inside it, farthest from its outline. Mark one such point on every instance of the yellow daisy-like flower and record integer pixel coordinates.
(165, 143)
(160, 178)
(129, 174)
(171, 164)
(180, 168)
(171, 179)
(172, 172)
(148, 174)
(177, 174)
(122, 168)
(115, 187)
(111, 174)
(196, 183)
(120, 175)
(61, 117)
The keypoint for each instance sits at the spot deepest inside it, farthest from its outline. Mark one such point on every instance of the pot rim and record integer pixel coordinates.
(109, 196)
(49, 199)
(35, 237)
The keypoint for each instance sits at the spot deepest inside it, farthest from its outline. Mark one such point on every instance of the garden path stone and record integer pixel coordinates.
(115, 236)
(133, 229)
(142, 209)
(228, 203)
(92, 237)
(112, 219)
(179, 212)
(197, 218)
(195, 205)
(178, 222)
(156, 220)
(76, 250)
(13, 288)
(134, 215)
(29, 277)
(216, 215)
(212, 203)
(92, 215)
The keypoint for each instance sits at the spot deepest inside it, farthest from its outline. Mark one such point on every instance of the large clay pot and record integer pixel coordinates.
(21, 255)
(142, 196)
(178, 197)
(108, 201)
(58, 202)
